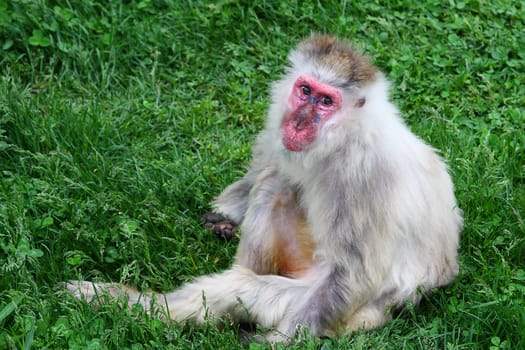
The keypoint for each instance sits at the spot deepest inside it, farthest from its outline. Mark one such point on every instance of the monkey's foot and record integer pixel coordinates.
(220, 225)
(90, 291)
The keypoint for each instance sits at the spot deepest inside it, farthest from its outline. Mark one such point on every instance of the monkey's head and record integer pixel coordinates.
(324, 86)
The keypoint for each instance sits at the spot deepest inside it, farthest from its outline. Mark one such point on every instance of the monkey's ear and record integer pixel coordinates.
(360, 102)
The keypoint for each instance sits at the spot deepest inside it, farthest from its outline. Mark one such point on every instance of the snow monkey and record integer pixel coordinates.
(345, 215)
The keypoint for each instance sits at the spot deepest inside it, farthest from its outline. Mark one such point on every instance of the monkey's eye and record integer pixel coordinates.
(306, 90)
(327, 101)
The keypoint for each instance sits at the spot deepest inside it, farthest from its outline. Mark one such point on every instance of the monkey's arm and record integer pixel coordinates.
(230, 207)
(233, 201)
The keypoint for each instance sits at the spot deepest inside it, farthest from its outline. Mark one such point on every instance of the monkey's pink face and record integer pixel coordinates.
(311, 103)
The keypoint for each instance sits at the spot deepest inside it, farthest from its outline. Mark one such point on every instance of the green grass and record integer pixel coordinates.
(120, 121)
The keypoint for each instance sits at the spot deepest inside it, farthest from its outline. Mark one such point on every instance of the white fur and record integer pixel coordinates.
(400, 233)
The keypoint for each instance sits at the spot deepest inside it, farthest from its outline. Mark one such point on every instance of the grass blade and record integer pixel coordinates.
(10, 307)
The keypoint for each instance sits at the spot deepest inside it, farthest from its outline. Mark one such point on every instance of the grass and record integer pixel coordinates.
(120, 121)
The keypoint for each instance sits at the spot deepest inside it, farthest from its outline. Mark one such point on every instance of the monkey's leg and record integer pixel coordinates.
(367, 317)
(237, 292)
(374, 313)
(103, 292)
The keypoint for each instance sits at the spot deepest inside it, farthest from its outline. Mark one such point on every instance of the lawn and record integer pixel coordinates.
(121, 120)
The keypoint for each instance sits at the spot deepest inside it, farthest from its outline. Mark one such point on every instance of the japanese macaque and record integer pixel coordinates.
(345, 215)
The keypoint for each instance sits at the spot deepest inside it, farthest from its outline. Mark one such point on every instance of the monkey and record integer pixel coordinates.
(345, 214)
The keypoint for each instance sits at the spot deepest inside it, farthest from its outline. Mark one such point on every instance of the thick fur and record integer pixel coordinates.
(336, 236)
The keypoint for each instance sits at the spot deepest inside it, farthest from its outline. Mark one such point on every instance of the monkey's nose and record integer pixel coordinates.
(301, 123)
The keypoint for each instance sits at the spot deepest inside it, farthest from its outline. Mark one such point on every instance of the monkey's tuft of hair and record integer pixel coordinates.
(338, 56)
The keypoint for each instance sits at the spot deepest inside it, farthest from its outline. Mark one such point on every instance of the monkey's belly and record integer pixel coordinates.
(295, 250)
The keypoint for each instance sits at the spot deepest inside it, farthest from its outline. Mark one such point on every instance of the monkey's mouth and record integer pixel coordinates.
(299, 129)
(292, 145)
(296, 140)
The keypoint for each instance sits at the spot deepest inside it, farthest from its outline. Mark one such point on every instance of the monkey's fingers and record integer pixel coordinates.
(220, 225)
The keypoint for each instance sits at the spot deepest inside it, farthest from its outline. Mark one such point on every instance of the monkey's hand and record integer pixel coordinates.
(220, 225)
